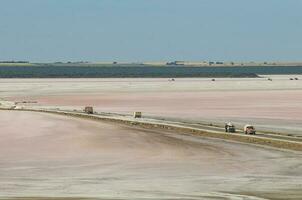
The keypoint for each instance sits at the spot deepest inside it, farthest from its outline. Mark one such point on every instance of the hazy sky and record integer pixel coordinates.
(145, 30)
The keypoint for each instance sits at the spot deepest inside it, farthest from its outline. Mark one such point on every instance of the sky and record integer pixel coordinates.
(150, 30)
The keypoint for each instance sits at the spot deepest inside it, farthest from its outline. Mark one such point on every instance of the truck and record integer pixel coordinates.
(137, 114)
(88, 110)
(249, 130)
(230, 127)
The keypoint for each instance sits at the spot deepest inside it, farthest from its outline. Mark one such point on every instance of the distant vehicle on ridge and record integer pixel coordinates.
(249, 130)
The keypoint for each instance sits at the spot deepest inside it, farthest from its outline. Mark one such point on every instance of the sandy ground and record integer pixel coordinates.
(269, 105)
(45, 155)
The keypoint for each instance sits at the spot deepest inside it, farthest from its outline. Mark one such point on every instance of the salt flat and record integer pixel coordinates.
(46, 155)
(269, 105)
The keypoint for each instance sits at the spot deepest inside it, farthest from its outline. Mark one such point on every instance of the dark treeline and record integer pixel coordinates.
(12, 61)
(156, 72)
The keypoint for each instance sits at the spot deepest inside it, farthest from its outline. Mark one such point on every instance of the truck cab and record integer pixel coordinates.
(249, 130)
(230, 128)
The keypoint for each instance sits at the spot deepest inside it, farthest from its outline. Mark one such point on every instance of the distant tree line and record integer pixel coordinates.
(12, 61)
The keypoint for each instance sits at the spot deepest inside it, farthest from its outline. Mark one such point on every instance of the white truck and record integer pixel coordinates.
(249, 129)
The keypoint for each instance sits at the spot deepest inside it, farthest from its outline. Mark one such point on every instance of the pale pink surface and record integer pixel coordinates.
(263, 108)
(50, 155)
(269, 105)
(264, 104)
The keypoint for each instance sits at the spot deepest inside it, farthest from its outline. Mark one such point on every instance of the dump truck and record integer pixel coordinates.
(230, 127)
(249, 129)
(137, 115)
(88, 110)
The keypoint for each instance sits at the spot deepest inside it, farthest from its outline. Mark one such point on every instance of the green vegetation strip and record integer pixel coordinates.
(265, 141)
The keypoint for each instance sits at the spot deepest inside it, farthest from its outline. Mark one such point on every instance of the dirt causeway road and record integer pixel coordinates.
(48, 156)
